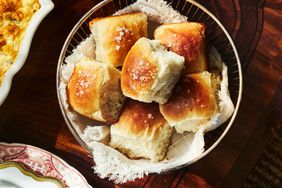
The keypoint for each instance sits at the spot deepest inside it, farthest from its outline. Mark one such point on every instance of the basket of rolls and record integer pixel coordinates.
(148, 86)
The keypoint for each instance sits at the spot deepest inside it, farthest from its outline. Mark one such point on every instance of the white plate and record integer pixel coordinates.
(39, 163)
(45, 7)
(14, 175)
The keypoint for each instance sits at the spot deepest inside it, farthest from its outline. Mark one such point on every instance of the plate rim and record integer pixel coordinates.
(30, 173)
(49, 153)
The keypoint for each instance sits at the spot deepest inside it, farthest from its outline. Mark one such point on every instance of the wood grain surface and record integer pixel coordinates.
(31, 113)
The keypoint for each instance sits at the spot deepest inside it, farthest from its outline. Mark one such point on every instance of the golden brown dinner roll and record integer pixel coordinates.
(193, 102)
(94, 91)
(141, 131)
(150, 72)
(188, 40)
(115, 35)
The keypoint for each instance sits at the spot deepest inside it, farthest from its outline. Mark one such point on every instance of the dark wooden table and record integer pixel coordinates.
(248, 155)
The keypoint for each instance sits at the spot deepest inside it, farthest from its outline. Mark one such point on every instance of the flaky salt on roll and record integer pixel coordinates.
(193, 103)
(188, 40)
(94, 91)
(115, 35)
(150, 72)
(141, 131)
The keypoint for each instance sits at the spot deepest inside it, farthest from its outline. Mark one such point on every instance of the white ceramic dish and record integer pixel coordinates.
(46, 7)
(41, 165)
(14, 175)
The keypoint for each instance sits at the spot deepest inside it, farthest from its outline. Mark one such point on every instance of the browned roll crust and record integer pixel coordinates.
(149, 72)
(139, 70)
(94, 91)
(115, 35)
(193, 102)
(188, 40)
(141, 131)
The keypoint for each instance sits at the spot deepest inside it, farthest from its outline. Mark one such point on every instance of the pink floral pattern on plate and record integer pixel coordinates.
(42, 163)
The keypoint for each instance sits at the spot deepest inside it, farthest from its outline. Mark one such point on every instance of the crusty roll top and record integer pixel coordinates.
(188, 40)
(141, 132)
(94, 91)
(140, 69)
(84, 87)
(141, 118)
(150, 72)
(193, 97)
(115, 35)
